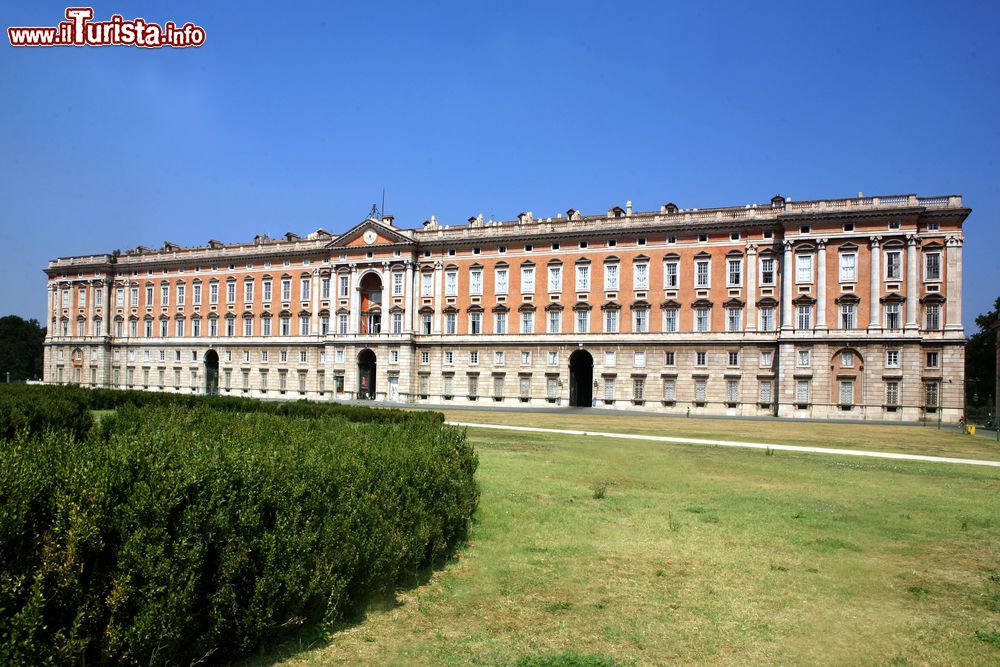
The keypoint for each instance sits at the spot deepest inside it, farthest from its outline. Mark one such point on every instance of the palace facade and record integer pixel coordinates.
(841, 308)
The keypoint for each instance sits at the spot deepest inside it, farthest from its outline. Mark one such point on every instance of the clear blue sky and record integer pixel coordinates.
(294, 116)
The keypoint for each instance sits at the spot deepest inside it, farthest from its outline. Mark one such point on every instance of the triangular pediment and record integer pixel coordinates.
(369, 232)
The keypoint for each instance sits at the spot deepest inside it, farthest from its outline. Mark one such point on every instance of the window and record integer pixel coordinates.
(181, 295)
(766, 359)
(638, 388)
(641, 324)
(892, 358)
(640, 279)
(553, 358)
(447, 387)
(475, 323)
(133, 296)
(527, 322)
(164, 295)
(283, 356)
(98, 299)
(551, 389)
(248, 292)
(582, 320)
(892, 316)
(474, 357)
(525, 388)
(764, 391)
(451, 283)
(231, 292)
(702, 319)
(500, 281)
(670, 320)
(343, 286)
(285, 326)
(732, 391)
(702, 276)
(476, 281)
(582, 278)
(425, 357)
(612, 243)
(766, 270)
(700, 390)
(609, 390)
(473, 386)
(893, 265)
(734, 319)
(397, 283)
(892, 394)
(449, 357)
(803, 357)
(397, 323)
(932, 313)
(324, 288)
(498, 358)
(213, 327)
(734, 358)
(303, 356)
(149, 295)
(555, 321)
(119, 297)
(450, 323)
(501, 323)
(324, 325)
(609, 357)
(525, 358)
(803, 268)
(932, 266)
(427, 284)
(610, 276)
(805, 317)
(640, 358)
(247, 327)
(848, 267)
(767, 318)
(669, 359)
(669, 389)
(342, 323)
(847, 359)
(426, 321)
(266, 285)
(213, 293)
(671, 278)
(932, 359)
(611, 321)
(700, 358)
(931, 394)
(527, 279)
(848, 312)
(555, 278)
(802, 392)
(735, 273)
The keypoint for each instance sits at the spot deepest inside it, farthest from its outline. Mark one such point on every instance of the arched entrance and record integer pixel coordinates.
(366, 375)
(581, 379)
(371, 305)
(212, 372)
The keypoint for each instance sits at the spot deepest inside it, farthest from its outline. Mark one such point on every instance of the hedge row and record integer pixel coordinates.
(35, 408)
(173, 535)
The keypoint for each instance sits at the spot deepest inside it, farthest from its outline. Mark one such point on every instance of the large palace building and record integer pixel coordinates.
(842, 308)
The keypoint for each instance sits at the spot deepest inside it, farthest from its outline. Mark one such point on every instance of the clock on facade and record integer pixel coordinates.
(370, 236)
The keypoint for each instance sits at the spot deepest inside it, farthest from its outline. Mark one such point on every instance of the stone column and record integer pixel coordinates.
(787, 276)
(409, 302)
(50, 331)
(386, 299)
(912, 291)
(438, 297)
(354, 319)
(751, 293)
(821, 284)
(314, 303)
(875, 277)
(953, 288)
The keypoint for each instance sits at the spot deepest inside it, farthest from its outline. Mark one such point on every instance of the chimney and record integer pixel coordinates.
(628, 207)
(387, 219)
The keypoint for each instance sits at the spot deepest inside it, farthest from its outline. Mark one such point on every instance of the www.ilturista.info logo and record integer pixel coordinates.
(80, 30)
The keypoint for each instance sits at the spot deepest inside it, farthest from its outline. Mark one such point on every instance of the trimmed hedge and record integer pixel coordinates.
(36, 408)
(174, 534)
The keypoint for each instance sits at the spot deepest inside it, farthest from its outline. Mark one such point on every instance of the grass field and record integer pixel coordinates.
(649, 554)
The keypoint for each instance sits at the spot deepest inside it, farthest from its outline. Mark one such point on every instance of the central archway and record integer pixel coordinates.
(366, 374)
(371, 305)
(581, 379)
(212, 372)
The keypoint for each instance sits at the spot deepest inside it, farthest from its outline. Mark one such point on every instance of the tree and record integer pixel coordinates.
(981, 360)
(21, 345)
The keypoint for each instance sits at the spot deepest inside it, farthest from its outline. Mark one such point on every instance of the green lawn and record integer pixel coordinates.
(700, 554)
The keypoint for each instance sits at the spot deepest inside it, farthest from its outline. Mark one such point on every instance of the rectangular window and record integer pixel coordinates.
(555, 279)
(702, 274)
(766, 270)
(476, 281)
(767, 319)
(848, 267)
(500, 324)
(473, 357)
(734, 319)
(500, 281)
(98, 299)
(932, 266)
(932, 313)
(671, 278)
(286, 289)
(609, 358)
(449, 358)
(702, 319)
(555, 321)
(343, 286)
(735, 273)
(582, 278)
(732, 391)
(397, 284)
(764, 391)
(582, 321)
(803, 268)
(267, 291)
(669, 359)
(426, 284)
(498, 358)
(893, 265)
(425, 357)
(525, 358)
(450, 323)
(700, 390)
(611, 321)
(805, 317)
(265, 326)
(734, 358)
(304, 325)
(213, 293)
(670, 320)
(640, 277)
(248, 292)
(248, 327)
(213, 327)
(846, 392)
(195, 327)
(120, 297)
(610, 276)
(609, 390)
(802, 392)
(892, 316)
(700, 358)
(286, 326)
(638, 388)
(397, 323)
(847, 315)
(932, 359)
(931, 394)
(553, 358)
(641, 320)
(149, 295)
(426, 322)
(231, 292)
(527, 279)
(475, 323)
(164, 295)
(552, 388)
(669, 389)
(451, 283)
(525, 388)
(803, 357)
(892, 394)
(324, 289)
(892, 358)
(473, 386)
(527, 322)
(342, 323)
(133, 296)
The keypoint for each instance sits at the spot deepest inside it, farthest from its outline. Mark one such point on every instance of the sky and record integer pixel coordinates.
(295, 116)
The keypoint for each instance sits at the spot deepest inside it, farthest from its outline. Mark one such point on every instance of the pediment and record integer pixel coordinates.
(369, 232)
